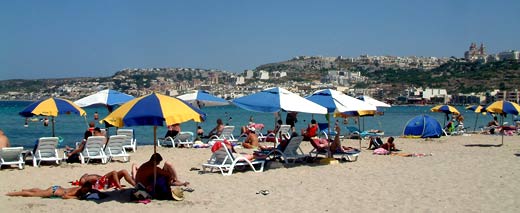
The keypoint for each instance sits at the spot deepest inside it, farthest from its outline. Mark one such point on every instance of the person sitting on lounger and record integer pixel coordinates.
(55, 191)
(336, 144)
(109, 180)
(218, 129)
(311, 131)
(166, 176)
(173, 130)
(251, 141)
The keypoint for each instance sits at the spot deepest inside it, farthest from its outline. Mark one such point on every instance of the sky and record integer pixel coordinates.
(96, 38)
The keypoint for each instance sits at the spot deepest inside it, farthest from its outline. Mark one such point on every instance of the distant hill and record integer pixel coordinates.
(456, 77)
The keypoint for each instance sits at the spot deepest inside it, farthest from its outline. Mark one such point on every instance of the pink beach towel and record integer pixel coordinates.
(381, 151)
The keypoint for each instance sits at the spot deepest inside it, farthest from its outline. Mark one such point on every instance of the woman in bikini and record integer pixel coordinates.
(55, 192)
(110, 180)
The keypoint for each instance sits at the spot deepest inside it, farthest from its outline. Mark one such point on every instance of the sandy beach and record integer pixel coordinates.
(464, 174)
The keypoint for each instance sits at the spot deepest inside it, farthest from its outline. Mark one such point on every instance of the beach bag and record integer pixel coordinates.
(73, 159)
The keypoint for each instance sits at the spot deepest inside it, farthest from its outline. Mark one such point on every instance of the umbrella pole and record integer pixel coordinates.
(154, 161)
(475, 127)
(52, 120)
(360, 137)
(502, 132)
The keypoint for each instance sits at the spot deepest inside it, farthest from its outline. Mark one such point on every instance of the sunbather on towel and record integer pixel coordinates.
(55, 192)
(374, 142)
(336, 144)
(111, 179)
(389, 145)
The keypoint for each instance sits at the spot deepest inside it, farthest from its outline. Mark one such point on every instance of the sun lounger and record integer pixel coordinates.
(46, 150)
(226, 162)
(114, 148)
(93, 150)
(321, 147)
(130, 142)
(12, 156)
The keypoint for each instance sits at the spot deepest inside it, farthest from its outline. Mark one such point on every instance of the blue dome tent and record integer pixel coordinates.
(423, 126)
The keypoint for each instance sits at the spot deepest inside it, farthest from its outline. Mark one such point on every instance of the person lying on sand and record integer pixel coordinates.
(55, 192)
(389, 145)
(109, 180)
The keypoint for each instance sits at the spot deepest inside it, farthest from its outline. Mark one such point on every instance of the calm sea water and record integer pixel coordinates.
(71, 127)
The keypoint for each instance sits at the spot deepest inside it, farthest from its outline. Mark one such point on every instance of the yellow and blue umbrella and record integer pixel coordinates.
(477, 109)
(52, 107)
(154, 110)
(503, 108)
(446, 109)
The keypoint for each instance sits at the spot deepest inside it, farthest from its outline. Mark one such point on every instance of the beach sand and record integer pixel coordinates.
(464, 174)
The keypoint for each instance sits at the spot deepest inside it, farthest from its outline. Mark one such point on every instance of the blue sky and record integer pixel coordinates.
(54, 39)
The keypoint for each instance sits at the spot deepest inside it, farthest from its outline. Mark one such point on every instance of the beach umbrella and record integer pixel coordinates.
(446, 109)
(378, 104)
(373, 101)
(108, 98)
(202, 98)
(503, 108)
(477, 109)
(153, 110)
(275, 99)
(336, 101)
(52, 107)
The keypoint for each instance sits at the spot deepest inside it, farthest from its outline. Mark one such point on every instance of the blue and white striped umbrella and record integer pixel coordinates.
(106, 97)
(202, 98)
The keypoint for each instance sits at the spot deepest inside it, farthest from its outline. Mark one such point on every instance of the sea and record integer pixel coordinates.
(70, 128)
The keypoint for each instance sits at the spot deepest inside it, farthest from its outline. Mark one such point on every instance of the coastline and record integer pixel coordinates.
(465, 173)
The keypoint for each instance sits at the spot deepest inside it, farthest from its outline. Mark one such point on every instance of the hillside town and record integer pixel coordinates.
(299, 74)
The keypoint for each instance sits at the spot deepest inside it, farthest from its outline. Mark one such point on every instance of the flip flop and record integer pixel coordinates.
(263, 192)
(194, 169)
(188, 189)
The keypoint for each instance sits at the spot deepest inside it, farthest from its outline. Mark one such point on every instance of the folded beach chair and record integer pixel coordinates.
(12, 156)
(93, 150)
(226, 162)
(130, 142)
(114, 148)
(321, 147)
(46, 150)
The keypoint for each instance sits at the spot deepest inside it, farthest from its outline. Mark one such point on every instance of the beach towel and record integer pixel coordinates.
(381, 151)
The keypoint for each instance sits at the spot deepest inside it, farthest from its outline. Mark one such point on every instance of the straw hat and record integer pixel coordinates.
(178, 194)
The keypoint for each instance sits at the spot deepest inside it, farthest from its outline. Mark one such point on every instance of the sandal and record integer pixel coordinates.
(188, 189)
